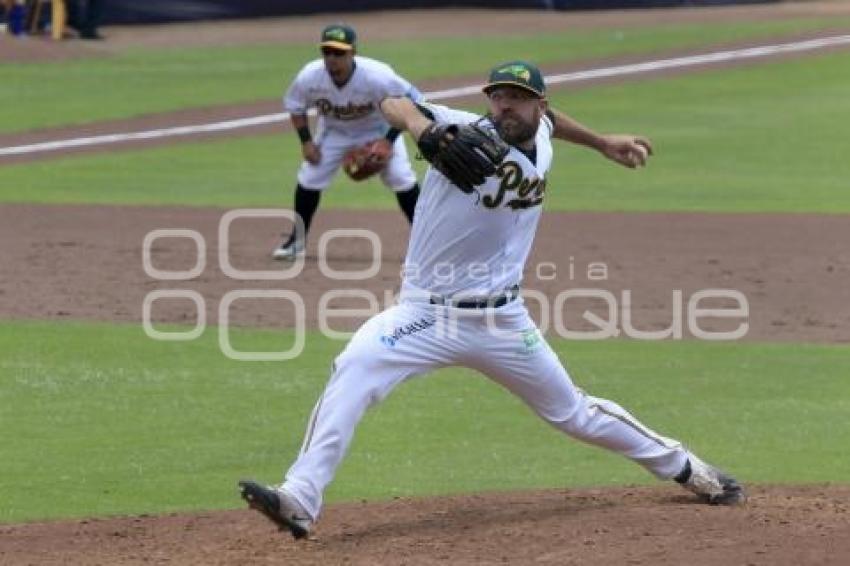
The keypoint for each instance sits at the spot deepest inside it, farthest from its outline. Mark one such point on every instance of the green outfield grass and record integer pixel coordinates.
(763, 138)
(37, 95)
(98, 419)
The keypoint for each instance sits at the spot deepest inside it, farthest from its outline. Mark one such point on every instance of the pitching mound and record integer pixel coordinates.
(659, 525)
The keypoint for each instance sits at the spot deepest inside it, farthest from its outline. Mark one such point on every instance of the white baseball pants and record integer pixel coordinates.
(413, 338)
(398, 175)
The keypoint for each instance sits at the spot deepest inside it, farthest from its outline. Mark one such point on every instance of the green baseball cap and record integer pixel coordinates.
(519, 74)
(339, 36)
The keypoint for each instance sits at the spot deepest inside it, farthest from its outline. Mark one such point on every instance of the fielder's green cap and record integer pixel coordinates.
(517, 73)
(339, 36)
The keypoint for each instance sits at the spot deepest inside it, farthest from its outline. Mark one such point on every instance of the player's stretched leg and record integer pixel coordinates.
(520, 359)
(391, 347)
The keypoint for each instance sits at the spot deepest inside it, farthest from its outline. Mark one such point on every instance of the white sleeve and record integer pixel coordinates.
(550, 127)
(445, 115)
(415, 95)
(393, 85)
(295, 100)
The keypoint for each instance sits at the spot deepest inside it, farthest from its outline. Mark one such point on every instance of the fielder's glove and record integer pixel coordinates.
(364, 161)
(465, 154)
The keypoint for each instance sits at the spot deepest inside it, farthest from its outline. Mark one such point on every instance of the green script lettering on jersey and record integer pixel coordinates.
(529, 192)
(350, 111)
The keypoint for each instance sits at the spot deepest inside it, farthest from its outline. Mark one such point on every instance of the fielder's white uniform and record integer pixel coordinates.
(485, 237)
(350, 116)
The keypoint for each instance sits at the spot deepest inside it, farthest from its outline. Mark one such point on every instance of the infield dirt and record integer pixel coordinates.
(780, 526)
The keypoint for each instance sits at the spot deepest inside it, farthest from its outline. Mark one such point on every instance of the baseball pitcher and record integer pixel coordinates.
(480, 206)
(351, 132)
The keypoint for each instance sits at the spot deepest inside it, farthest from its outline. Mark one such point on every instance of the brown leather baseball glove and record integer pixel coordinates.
(364, 161)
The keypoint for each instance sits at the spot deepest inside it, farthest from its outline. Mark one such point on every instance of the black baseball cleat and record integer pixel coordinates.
(710, 484)
(278, 507)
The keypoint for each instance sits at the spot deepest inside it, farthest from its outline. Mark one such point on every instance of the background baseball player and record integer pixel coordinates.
(346, 89)
(481, 205)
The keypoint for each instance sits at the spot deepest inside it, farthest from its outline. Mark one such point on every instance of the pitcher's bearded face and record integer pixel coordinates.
(514, 129)
(516, 113)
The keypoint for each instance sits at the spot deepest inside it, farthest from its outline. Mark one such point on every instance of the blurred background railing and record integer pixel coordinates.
(151, 11)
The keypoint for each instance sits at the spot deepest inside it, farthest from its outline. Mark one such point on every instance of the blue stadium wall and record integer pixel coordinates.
(158, 11)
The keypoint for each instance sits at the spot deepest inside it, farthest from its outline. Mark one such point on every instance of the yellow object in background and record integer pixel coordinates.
(58, 18)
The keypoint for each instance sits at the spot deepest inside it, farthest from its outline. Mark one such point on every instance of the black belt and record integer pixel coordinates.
(493, 302)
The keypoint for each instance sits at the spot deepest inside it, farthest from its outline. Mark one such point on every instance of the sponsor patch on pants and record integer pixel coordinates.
(531, 341)
(407, 330)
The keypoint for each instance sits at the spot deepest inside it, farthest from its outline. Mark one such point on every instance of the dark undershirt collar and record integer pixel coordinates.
(531, 154)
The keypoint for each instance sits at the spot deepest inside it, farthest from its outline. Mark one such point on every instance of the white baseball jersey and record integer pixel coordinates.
(352, 108)
(477, 245)
(350, 116)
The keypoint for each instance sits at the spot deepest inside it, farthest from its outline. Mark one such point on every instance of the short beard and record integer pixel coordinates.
(517, 133)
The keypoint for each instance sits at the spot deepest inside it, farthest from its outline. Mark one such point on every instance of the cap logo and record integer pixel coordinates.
(518, 71)
(336, 33)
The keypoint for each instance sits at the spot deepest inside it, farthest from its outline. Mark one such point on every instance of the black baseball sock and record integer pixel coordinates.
(306, 203)
(407, 201)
